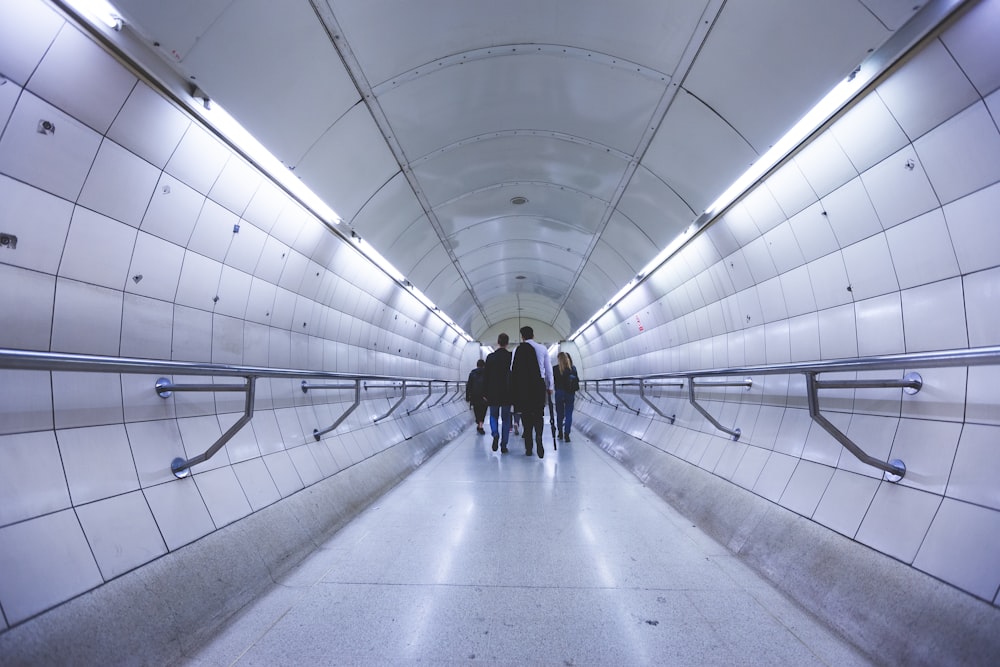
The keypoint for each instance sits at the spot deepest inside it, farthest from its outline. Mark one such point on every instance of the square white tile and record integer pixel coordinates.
(790, 189)
(899, 188)
(974, 234)
(825, 164)
(143, 110)
(921, 250)
(236, 185)
(962, 547)
(155, 444)
(880, 325)
(962, 155)
(257, 484)
(99, 307)
(79, 76)
(98, 250)
(283, 472)
(198, 159)
(850, 213)
(982, 307)
(882, 529)
(173, 211)
(45, 561)
(214, 231)
(868, 133)
(28, 155)
(928, 90)
(31, 474)
(122, 533)
(39, 220)
(31, 295)
(179, 511)
(119, 185)
(934, 316)
(870, 268)
(86, 399)
(806, 486)
(838, 332)
(223, 495)
(98, 462)
(845, 502)
(33, 28)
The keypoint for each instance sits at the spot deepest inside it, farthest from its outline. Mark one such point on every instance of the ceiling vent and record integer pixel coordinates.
(518, 201)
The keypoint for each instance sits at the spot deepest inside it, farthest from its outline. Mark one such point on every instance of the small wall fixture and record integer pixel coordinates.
(46, 127)
(518, 201)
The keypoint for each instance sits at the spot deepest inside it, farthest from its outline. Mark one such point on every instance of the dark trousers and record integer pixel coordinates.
(479, 409)
(533, 423)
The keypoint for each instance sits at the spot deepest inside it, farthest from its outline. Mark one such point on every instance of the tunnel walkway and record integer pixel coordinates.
(490, 559)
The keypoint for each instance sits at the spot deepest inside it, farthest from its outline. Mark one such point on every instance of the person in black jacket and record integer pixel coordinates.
(497, 373)
(530, 385)
(475, 394)
(567, 383)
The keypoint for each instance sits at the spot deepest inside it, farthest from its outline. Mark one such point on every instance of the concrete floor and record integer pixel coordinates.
(478, 558)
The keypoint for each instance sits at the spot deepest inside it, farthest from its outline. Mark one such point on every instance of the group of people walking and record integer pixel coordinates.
(521, 382)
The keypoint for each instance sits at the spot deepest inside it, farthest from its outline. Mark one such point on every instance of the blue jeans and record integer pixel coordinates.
(503, 412)
(564, 410)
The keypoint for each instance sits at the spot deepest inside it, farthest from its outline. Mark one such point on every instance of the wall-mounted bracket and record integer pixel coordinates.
(734, 433)
(356, 386)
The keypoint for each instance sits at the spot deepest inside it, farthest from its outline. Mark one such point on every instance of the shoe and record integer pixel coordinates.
(517, 431)
(560, 435)
(480, 430)
(541, 451)
(496, 439)
(567, 437)
(528, 452)
(503, 450)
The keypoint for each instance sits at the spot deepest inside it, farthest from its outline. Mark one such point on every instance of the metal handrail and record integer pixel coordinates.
(911, 383)
(85, 363)
(614, 392)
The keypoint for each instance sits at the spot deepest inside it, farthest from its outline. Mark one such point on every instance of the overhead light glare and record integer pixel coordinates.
(100, 11)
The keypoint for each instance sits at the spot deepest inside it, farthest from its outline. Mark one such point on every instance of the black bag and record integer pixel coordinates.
(574, 381)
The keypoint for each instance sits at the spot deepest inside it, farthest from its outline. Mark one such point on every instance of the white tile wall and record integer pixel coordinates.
(825, 165)
(26, 154)
(98, 462)
(934, 317)
(25, 33)
(222, 493)
(850, 213)
(121, 532)
(882, 528)
(45, 560)
(879, 325)
(31, 470)
(33, 215)
(145, 109)
(173, 211)
(974, 234)
(962, 155)
(30, 295)
(214, 231)
(899, 188)
(101, 308)
(845, 502)
(107, 265)
(198, 159)
(79, 77)
(963, 547)
(179, 511)
(120, 184)
(25, 401)
(982, 307)
(868, 133)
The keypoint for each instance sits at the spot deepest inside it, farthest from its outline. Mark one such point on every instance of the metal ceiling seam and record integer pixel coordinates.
(509, 50)
(706, 22)
(507, 184)
(506, 134)
(326, 16)
(543, 218)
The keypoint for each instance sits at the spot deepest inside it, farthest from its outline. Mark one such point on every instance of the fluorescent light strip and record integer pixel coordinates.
(819, 114)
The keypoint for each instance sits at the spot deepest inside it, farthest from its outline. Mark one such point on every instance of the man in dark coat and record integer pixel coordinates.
(475, 394)
(530, 384)
(497, 372)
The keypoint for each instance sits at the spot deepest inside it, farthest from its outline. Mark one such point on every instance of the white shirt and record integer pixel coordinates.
(542, 355)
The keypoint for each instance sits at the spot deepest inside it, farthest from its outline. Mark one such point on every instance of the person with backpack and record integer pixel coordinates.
(567, 383)
(497, 372)
(531, 383)
(475, 394)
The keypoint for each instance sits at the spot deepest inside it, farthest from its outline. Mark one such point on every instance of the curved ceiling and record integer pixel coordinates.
(519, 154)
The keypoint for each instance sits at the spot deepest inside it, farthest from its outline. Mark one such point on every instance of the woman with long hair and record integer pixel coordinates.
(567, 382)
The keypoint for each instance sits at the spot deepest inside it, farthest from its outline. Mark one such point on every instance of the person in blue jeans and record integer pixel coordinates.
(567, 382)
(498, 395)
